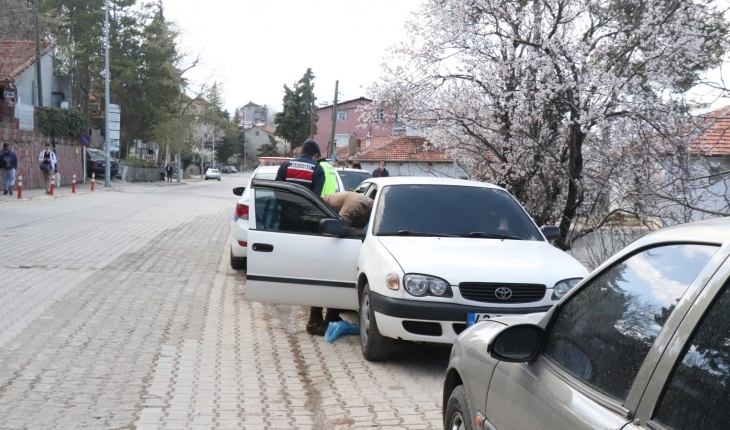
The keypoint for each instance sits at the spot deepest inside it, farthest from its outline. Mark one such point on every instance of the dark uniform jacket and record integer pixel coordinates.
(303, 171)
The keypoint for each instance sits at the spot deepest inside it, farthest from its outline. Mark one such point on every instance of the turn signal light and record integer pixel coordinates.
(241, 211)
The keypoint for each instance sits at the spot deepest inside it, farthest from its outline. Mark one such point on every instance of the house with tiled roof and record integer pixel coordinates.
(403, 155)
(258, 135)
(19, 83)
(714, 139)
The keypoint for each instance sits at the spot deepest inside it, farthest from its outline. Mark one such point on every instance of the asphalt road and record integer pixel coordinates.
(118, 309)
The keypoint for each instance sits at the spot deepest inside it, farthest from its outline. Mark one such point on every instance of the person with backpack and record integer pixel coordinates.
(8, 164)
(47, 163)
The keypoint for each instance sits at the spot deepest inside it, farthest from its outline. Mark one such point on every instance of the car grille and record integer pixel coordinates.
(423, 328)
(508, 293)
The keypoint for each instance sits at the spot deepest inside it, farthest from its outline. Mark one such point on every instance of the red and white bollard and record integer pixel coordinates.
(53, 182)
(20, 186)
(93, 178)
(73, 184)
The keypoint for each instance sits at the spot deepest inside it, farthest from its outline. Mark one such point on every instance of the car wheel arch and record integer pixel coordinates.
(451, 381)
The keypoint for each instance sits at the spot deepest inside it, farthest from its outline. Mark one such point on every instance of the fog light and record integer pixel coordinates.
(392, 281)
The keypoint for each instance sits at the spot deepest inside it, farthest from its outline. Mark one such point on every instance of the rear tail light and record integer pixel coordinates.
(93, 164)
(242, 211)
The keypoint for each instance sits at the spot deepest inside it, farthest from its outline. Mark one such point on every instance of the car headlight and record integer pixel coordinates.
(422, 285)
(562, 287)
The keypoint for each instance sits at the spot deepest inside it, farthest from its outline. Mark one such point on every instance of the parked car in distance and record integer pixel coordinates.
(224, 169)
(439, 254)
(212, 174)
(643, 342)
(232, 169)
(352, 178)
(239, 229)
(96, 163)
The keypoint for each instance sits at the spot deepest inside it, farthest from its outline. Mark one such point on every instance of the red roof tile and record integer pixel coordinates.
(18, 55)
(398, 149)
(715, 139)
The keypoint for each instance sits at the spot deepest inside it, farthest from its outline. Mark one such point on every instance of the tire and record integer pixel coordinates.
(206, 179)
(375, 347)
(219, 179)
(457, 415)
(238, 263)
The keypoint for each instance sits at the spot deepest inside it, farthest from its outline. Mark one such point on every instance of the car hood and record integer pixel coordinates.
(483, 260)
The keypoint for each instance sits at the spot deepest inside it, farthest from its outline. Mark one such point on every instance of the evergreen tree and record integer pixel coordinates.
(298, 120)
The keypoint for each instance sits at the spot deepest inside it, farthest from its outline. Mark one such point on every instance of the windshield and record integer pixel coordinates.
(214, 171)
(96, 155)
(451, 210)
(266, 175)
(351, 180)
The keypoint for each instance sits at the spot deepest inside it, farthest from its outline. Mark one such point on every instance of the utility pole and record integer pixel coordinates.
(331, 149)
(107, 101)
(38, 57)
(311, 118)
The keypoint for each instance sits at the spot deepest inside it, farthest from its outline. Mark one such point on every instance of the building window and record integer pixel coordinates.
(257, 133)
(379, 115)
(342, 115)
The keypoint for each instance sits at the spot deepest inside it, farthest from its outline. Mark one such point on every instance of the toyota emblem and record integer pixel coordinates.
(503, 293)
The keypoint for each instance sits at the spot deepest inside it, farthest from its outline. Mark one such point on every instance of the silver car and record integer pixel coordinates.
(643, 342)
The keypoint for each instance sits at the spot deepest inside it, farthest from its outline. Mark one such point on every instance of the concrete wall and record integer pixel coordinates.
(447, 170)
(26, 89)
(141, 174)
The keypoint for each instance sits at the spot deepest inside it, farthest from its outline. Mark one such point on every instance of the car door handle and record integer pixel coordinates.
(262, 247)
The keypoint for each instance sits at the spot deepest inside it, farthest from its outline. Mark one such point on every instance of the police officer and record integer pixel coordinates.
(305, 171)
(330, 178)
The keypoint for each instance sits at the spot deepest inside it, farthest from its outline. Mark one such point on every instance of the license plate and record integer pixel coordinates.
(473, 318)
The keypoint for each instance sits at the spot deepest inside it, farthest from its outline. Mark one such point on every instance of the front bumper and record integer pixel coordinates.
(423, 316)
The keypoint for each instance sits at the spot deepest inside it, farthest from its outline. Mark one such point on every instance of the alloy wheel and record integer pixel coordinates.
(365, 320)
(457, 422)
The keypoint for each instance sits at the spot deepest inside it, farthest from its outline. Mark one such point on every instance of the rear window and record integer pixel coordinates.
(351, 180)
(452, 210)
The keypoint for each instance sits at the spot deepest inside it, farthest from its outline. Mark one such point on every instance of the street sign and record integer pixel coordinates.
(114, 126)
(113, 135)
(114, 108)
(115, 116)
(9, 94)
(85, 140)
(113, 145)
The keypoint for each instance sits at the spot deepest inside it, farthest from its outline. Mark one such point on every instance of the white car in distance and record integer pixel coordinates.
(439, 255)
(239, 229)
(212, 174)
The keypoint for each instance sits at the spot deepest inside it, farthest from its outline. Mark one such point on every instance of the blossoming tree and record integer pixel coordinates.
(577, 107)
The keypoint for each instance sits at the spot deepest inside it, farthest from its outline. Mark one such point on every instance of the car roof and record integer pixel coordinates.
(430, 180)
(347, 169)
(716, 230)
(266, 169)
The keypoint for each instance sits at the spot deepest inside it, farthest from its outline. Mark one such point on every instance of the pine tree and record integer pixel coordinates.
(298, 120)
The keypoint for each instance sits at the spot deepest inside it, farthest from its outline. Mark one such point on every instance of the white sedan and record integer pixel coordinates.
(212, 174)
(439, 255)
(239, 230)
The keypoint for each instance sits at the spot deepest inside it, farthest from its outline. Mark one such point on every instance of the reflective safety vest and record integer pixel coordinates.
(330, 178)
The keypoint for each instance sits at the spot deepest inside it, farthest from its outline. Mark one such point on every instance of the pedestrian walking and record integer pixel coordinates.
(8, 165)
(162, 172)
(47, 162)
(381, 171)
(305, 171)
(168, 169)
(356, 165)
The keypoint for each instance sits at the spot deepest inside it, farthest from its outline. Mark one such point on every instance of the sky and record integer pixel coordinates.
(253, 47)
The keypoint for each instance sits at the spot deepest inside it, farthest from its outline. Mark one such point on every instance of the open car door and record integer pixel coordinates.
(300, 251)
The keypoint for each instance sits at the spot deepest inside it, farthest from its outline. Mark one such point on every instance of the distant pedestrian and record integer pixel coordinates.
(47, 161)
(162, 172)
(168, 169)
(356, 165)
(8, 164)
(381, 172)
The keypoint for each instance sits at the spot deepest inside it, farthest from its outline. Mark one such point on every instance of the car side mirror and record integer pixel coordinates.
(517, 344)
(335, 228)
(239, 191)
(550, 232)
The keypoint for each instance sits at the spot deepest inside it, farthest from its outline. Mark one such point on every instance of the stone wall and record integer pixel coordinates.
(141, 174)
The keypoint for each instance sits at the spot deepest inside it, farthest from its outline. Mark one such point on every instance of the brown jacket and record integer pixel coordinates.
(354, 208)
